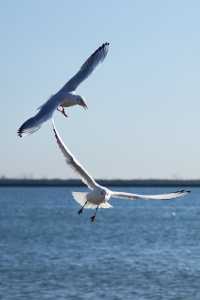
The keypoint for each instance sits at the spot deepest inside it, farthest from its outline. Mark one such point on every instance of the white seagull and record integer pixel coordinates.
(65, 97)
(98, 196)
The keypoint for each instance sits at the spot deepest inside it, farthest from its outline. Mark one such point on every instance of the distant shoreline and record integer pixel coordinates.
(9, 182)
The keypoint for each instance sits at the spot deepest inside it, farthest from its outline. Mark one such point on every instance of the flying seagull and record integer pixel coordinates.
(65, 97)
(98, 196)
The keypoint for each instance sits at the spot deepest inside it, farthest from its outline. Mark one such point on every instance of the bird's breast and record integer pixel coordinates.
(69, 100)
(67, 103)
(95, 197)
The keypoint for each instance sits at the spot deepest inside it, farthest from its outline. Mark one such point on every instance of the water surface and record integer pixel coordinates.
(136, 250)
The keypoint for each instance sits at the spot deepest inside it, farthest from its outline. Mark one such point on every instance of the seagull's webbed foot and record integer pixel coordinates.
(62, 110)
(93, 218)
(80, 211)
(64, 113)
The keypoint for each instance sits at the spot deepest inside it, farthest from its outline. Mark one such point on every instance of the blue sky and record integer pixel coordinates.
(143, 117)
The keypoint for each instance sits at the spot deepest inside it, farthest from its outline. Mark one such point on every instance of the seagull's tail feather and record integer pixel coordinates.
(28, 127)
(105, 205)
(81, 198)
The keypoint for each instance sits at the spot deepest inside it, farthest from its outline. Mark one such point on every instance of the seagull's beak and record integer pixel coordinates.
(84, 105)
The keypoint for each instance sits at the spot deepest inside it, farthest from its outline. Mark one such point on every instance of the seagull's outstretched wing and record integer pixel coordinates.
(29, 126)
(76, 166)
(131, 196)
(44, 114)
(87, 68)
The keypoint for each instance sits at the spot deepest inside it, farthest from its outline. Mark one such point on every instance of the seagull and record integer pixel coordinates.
(65, 97)
(99, 196)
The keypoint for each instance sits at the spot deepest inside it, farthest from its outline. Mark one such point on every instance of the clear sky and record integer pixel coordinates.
(144, 100)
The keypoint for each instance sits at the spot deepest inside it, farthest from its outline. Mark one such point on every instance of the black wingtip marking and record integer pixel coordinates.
(55, 132)
(56, 136)
(183, 191)
(104, 45)
(100, 48)
(19, 132)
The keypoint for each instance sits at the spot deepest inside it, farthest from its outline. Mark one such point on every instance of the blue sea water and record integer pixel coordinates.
(136, 250)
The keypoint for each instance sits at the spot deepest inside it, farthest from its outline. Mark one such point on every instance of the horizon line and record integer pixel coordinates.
(148, 182)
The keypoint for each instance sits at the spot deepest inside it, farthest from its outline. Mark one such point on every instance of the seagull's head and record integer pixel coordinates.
(102, 193)
(81, 102)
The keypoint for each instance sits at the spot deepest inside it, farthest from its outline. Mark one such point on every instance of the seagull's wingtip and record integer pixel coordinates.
(185, 192)
(106, 45)
(54, 130)
(20, 132)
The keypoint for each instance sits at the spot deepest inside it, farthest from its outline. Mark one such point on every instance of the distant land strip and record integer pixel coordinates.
(14, 182)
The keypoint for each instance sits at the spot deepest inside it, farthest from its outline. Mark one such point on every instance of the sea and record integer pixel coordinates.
(136, 250)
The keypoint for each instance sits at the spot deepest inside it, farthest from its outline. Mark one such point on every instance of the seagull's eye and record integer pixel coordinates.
(102, 193)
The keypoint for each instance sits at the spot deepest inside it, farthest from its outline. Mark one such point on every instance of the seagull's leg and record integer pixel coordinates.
(94, 216)
(62, 110)
(81, 210)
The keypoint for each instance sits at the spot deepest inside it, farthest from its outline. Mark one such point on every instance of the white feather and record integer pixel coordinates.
(81, 198)
(65, 94)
